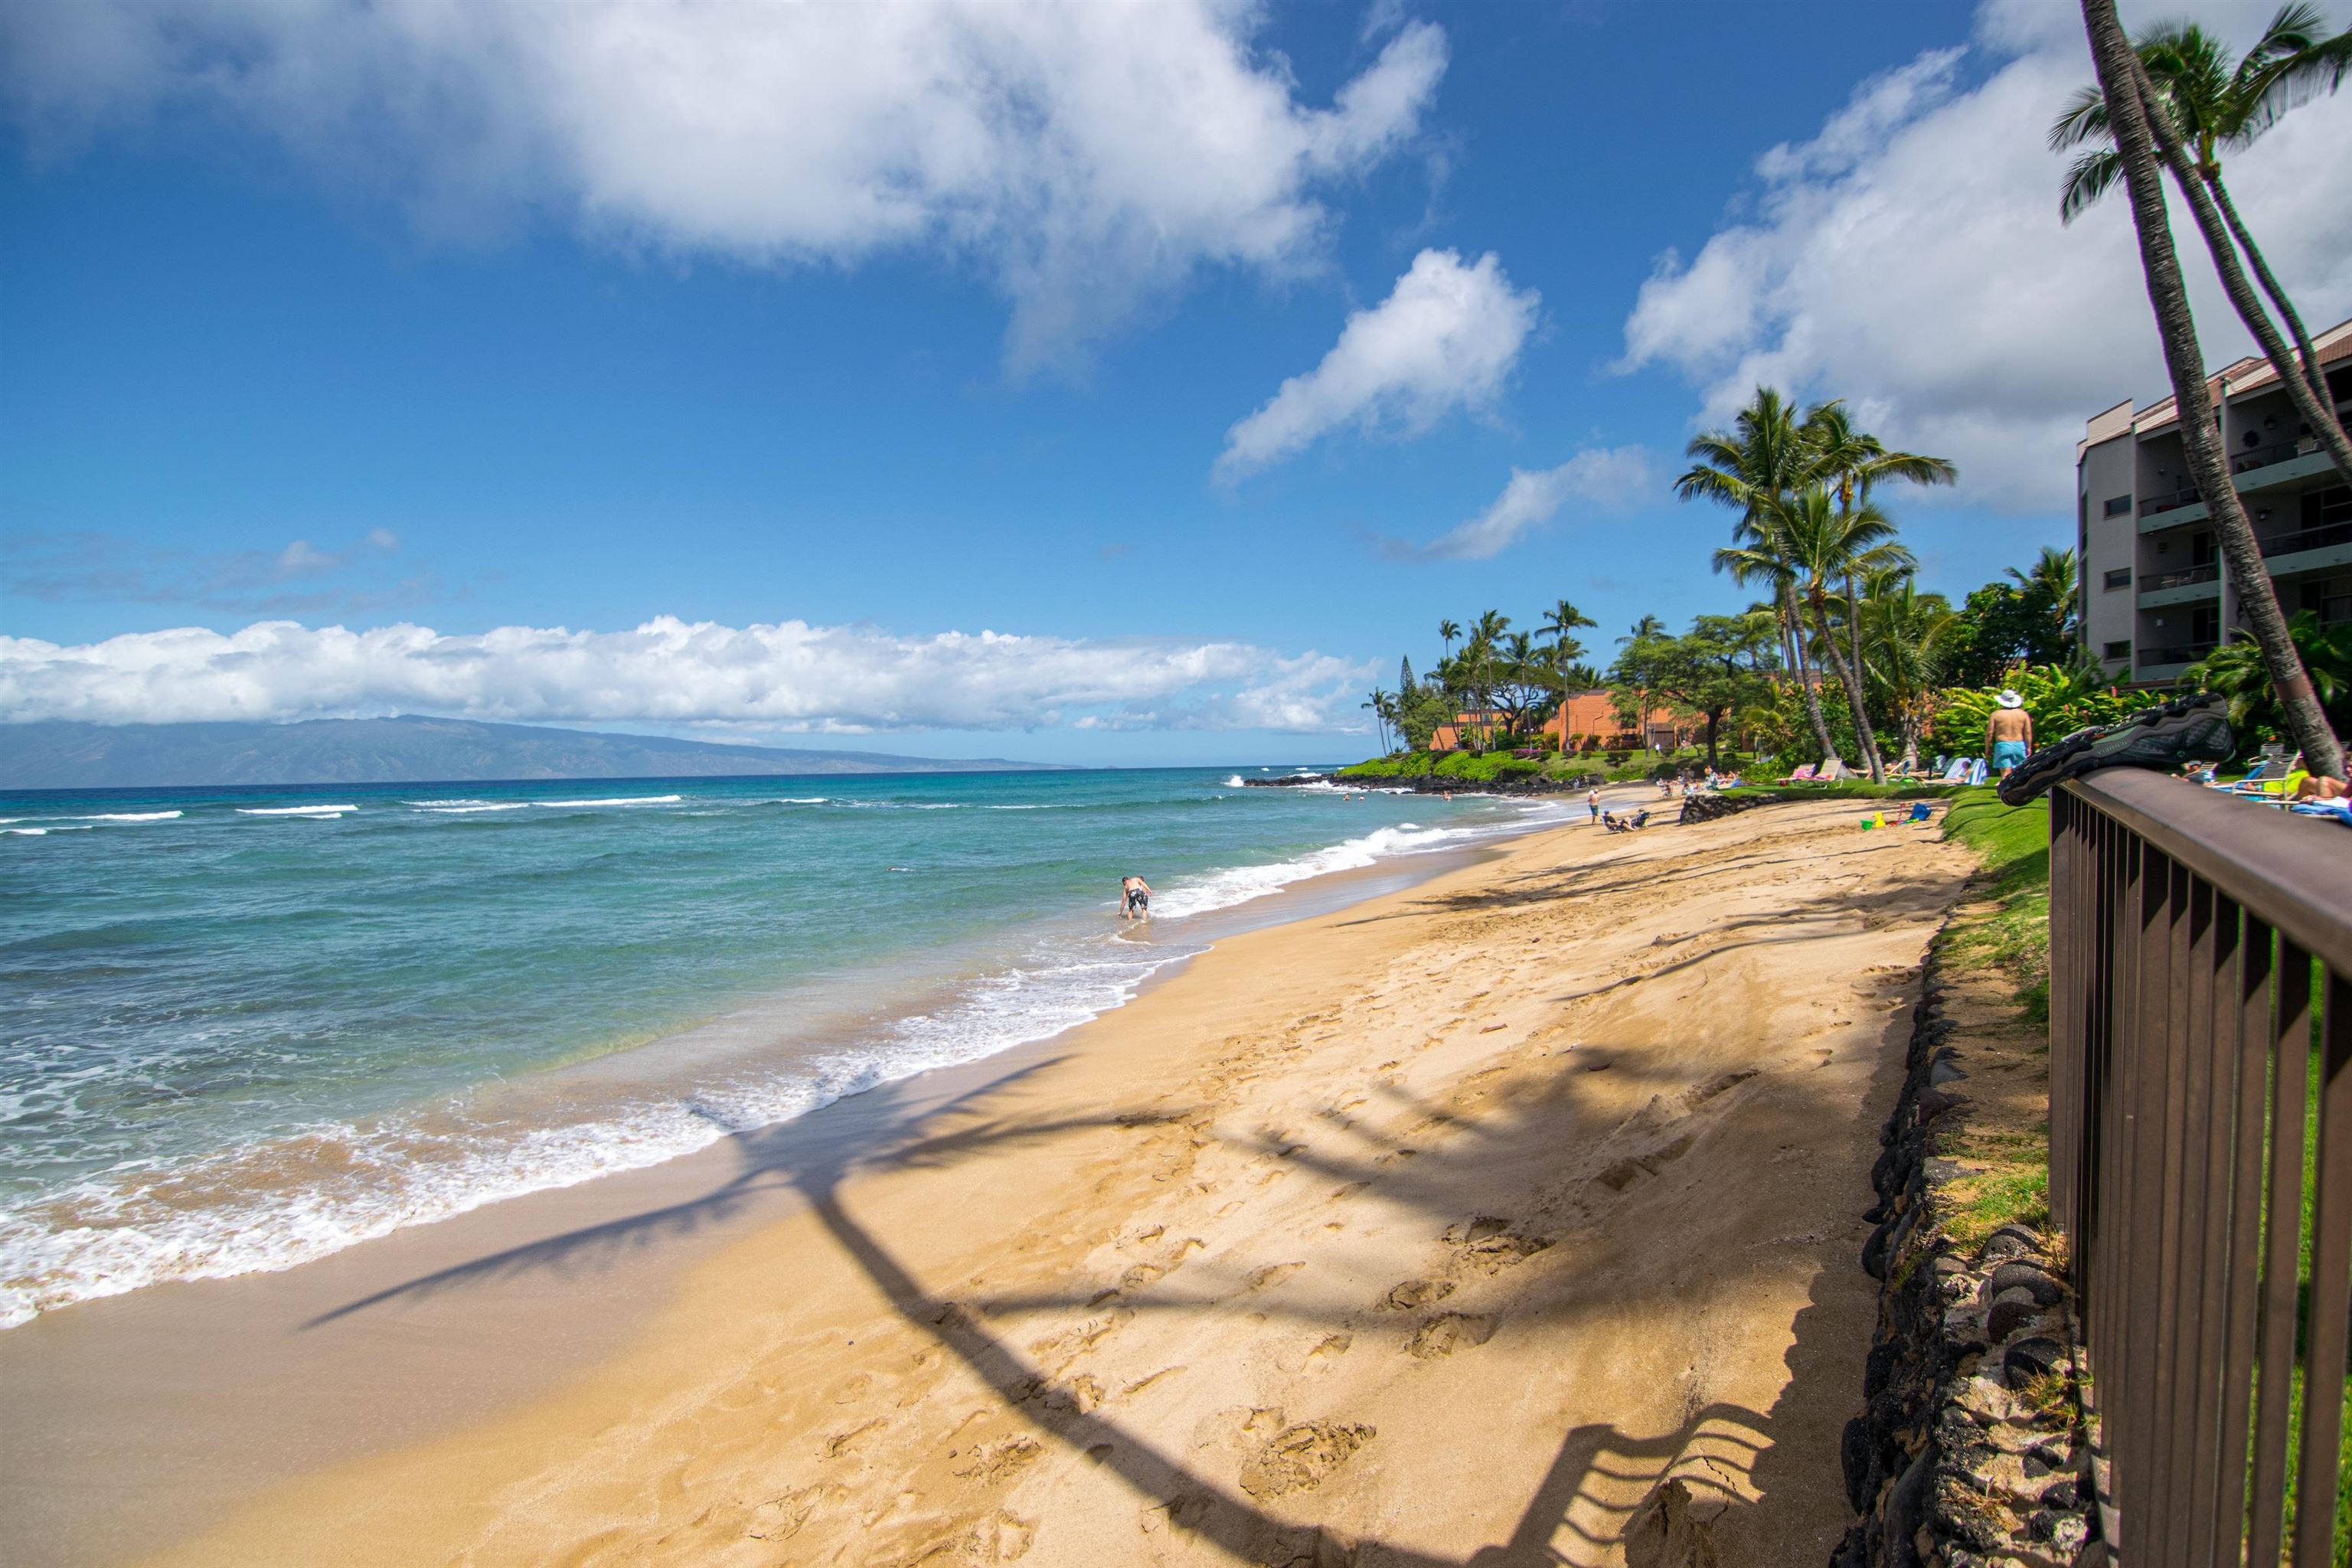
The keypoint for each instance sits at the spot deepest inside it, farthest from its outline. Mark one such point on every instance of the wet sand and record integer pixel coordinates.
(1434, 1229)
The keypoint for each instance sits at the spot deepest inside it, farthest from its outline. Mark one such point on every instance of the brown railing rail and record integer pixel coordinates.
(2200, 1149)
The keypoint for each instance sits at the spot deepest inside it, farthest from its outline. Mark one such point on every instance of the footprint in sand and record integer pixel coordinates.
(1492, 1244)
(1448, 1332)
(1415, 1293)
(989, 1461)
(1272, 1274)
(1300, 1457)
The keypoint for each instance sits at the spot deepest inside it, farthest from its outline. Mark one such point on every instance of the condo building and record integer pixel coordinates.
(2156, 596)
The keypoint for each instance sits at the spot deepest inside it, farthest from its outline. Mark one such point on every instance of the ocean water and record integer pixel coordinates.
(240, 1029)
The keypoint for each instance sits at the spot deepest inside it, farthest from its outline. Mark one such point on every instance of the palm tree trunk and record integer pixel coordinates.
(1795, 623)
(2318, 411)
(1867, 736)
(2118, 72)
(1845, 678)
(2303, 351)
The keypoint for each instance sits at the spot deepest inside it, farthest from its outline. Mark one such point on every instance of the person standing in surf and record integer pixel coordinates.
(1135, 895)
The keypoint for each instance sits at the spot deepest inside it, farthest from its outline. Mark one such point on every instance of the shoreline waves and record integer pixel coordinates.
(297, 1111)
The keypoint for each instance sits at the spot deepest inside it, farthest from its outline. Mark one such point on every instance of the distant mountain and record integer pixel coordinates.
(406, 749)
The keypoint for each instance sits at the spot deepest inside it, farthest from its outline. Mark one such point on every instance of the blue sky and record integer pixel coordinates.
(329, 357)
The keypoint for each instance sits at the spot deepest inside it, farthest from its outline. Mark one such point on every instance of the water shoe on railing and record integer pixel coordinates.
(2194, 728)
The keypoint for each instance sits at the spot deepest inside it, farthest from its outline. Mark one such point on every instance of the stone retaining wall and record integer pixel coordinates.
(1969, 1449)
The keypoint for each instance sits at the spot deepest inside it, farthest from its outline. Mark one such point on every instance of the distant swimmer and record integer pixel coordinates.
(1136, 898)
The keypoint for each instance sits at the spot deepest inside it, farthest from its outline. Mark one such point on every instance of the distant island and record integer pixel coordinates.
(55, 754)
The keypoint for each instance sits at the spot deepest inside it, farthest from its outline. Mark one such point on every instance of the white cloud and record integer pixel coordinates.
(789, 676)
(1910, 259)
(1606, 476)
(1087, 157)
(1446, 337)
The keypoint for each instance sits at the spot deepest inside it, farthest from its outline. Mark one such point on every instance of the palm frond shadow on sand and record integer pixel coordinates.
(1565, 1520)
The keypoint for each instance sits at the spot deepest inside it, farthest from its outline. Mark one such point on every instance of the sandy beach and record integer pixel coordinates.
(1436, 1229)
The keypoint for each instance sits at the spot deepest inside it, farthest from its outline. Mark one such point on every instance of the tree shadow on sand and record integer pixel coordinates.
(1576, 1514)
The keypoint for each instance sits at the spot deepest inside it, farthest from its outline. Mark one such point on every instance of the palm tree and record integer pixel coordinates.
(1558, 621)
(1904, 631)
(1759, 460)
(1827, 547)
(2053, 585)
(1379, 704)
(2199, 101)
(2129, 115)
(1446, 632)
(1849, 461)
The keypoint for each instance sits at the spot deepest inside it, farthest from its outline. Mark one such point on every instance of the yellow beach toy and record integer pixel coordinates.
(1875, 819)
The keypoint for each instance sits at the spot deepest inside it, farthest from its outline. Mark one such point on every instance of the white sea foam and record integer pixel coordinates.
(294, 810)
(472, 807)
(130, 817)
(1237, 781)
(292, 1199)
(122, 1237)
(625, 800)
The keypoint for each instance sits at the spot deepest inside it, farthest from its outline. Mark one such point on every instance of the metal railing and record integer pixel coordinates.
(2180, 579)
(2309, 538)
(2200, 1158)
(2173, 502)
(2180, 653)
(2253, 457)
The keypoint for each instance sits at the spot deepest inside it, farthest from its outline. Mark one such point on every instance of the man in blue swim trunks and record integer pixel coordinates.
(2008, 734)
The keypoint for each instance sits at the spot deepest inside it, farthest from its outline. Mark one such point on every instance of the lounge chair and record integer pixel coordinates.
(1803, 776)
(1977, 771)
(1835, 771)
(2271, 790)
(1958, 772)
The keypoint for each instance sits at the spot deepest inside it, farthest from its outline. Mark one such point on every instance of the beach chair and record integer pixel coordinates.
(2270, 788)
(1835, 771)
(1977, 771)
(1803, 776)
(1958, 772)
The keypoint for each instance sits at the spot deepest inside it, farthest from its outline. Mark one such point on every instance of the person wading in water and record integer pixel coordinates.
(1135, 895)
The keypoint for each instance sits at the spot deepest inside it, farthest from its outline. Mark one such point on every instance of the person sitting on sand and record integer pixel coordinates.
(1136, 898)
(2008, 734)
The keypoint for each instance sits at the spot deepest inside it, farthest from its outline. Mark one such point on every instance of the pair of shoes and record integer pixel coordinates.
(2191, 728)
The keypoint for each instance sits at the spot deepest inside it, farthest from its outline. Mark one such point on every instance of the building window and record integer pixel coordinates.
(2118, 650)
(2119, 578)
(2118, 505)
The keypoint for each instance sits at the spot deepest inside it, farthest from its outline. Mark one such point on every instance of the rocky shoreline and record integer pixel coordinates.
(1434, 783)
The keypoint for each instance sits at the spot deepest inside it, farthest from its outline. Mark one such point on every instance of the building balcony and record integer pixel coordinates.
(2282, 463)
(2167, 663)
(2169, 511)
(2181, 587)
(2312, 549)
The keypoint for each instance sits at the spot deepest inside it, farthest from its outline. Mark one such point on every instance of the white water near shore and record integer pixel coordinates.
(290, 1193)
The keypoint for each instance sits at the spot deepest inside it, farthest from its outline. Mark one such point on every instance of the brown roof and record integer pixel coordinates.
(2247, 376)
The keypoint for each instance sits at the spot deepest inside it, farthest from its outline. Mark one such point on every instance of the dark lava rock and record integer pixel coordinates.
(2030, 1359)
(2009, 1314)
(2024, 1276)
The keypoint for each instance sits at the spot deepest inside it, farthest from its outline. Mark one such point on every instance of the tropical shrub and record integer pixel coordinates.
(2236, 670)
(2059, 702)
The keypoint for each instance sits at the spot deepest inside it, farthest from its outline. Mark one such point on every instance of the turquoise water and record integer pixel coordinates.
(243, 1028)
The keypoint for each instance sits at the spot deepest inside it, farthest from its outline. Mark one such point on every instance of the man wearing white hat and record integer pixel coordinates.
(2008, 734)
